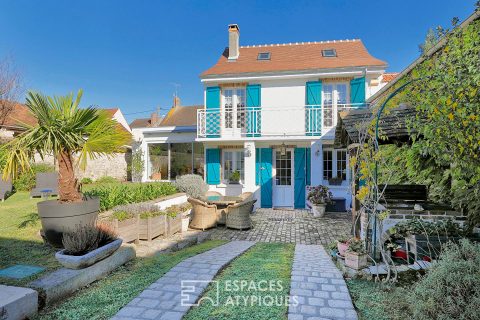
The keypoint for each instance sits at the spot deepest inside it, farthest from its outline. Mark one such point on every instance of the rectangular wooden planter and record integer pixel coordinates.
(127, 229)
(151, 227)
(174, 225)
(355, 261)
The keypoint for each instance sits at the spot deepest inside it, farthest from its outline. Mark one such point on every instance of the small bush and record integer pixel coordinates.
(193, 185)
(107, 179)
(87, 238)
(26, 180)
(112, 195)
(451, 288)
(86, 180)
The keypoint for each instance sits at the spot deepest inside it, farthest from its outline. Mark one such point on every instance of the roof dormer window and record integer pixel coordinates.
(263, 56)
(329, 53)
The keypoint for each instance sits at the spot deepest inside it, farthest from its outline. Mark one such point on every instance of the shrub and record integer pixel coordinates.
(26, 180)
(319, 195)
(193, 185)
(451, 288)
(107, 179)
(86, 180)
(113, 195)
(87, 238)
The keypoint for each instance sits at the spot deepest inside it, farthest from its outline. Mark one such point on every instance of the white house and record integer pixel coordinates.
(270, 114)
(269, 118)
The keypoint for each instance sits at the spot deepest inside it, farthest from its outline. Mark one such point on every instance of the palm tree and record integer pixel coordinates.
(64, 131)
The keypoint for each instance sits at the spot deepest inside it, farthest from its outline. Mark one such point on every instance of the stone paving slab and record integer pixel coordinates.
(163, 299)
(318, 286)
(289, 226)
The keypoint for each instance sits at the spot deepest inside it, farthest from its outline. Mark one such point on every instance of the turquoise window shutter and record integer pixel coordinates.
(300, 177)
(212, 122)
(313, 101)
(357, 92)
(253, 110)
(212, 160)
(266, 177)
(308, 166)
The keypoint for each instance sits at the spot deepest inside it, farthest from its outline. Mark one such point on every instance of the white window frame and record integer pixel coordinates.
(335, 105)
(235, 153)
(334, 165)
(234, 111)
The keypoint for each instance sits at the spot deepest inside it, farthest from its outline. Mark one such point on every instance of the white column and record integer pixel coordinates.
(249, 183)
(316, 163)
(146, 160)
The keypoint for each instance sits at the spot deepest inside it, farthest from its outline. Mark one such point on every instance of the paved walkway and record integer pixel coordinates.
(292, 226)
(163, 299)
(319, 287)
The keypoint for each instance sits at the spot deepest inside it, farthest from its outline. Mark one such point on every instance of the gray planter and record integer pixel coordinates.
(80, 262)
(57, 217)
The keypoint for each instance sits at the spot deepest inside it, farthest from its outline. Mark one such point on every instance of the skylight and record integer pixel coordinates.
(329, 53)
(263, 56)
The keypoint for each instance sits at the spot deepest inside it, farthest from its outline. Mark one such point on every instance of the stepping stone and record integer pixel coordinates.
(171, 296)
(20, 271)
(318, 287)
(17, 303)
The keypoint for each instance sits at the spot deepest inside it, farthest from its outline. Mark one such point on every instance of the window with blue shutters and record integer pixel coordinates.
(212, 125)
(313, 108)
(357, 92)
(212, 163)
(253, 125)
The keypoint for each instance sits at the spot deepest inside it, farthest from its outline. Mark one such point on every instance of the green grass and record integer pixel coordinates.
(264, 261)
(105, 297)
(374, 302)
(20, 242)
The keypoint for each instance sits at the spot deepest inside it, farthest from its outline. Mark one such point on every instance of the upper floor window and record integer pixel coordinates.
(263, 56)
(335, 97)
(234, 101)
(329, 53)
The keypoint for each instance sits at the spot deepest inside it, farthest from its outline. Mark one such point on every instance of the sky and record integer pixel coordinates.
(135, 54)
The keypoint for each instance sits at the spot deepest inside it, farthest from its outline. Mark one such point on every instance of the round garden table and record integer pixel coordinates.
(223, 200)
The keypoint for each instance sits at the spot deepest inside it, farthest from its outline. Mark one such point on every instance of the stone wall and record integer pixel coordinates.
(113, 166)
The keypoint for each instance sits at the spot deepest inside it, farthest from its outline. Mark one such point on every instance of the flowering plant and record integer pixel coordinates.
(319, 195)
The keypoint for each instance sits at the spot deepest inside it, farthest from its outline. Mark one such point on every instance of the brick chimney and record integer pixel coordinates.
(176, 101)
(233, 41)
(155, 119)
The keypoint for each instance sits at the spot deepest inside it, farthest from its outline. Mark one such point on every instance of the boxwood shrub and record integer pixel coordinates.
(112, 195)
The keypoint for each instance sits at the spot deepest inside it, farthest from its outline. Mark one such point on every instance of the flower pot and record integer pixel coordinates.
(399, 254)
(342, 248)
(355, 260)
(318, 210)
(88, 259)
(58, 217)
(151, 227)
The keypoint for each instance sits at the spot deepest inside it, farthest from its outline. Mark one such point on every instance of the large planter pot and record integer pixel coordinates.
(355, 261)
(57, 217)
(151, 227)
(318, 210)
(88, 259)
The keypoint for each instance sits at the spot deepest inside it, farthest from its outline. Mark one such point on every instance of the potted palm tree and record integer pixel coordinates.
(72, 135)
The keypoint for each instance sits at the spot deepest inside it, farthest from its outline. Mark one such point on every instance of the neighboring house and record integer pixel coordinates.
(270, 113)
(114, 165)
(168, 145)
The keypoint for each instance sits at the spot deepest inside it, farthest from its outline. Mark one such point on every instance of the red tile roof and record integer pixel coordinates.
(387, 77)
(295, 57)
(18, 116)
(180, 116)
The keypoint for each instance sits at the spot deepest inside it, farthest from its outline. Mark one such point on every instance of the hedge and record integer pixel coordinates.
(112, 195)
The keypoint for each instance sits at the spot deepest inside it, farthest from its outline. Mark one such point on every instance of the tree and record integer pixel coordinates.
(64, 130)
(10, 88)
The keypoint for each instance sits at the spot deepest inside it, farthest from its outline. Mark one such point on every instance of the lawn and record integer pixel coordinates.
(20, 242)
(105, 297)
(270, 262)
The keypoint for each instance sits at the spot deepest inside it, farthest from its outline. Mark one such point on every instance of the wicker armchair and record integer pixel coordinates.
(204, 215)
(246, 196)
(238, 216)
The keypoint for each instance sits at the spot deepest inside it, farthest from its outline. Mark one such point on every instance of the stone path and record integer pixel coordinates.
(318, 286)
(163, 299)
(290, 226)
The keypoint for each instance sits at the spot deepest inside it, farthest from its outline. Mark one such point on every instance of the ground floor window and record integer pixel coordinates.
(335, 164)
(169, 160)
(233, 164)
